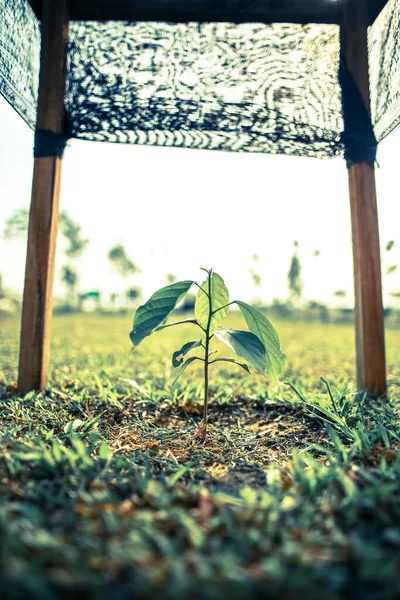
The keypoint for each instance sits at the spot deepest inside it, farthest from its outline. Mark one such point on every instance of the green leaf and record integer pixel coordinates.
(262, 328)
(220, 297)
(151, 314)
(183, 367)
(245, 344)
(231, 360)
(181, 353)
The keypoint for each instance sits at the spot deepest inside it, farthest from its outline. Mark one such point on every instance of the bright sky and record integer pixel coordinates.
(176, 210)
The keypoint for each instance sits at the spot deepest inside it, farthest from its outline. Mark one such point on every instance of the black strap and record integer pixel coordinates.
(358, 137)
(49, 143)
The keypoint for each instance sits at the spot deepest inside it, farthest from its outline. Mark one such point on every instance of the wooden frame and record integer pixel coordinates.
(234, 11)
(354, 17)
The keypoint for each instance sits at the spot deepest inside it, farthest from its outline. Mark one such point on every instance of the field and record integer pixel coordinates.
(108, 490)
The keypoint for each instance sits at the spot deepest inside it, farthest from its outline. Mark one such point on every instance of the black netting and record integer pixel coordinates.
(254, 88)
(384, 51)
(246, 87)
(19, 57)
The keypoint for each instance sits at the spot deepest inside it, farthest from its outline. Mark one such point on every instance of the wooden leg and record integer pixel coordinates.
(370, 333)
(39, 275)
(370, 337)
(38, 292)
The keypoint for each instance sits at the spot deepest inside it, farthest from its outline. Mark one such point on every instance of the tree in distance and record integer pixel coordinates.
(16, 226)
(295, 282)
(123, 265)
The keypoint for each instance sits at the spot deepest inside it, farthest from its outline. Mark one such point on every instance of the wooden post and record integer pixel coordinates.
(43, 220)
(370, 335)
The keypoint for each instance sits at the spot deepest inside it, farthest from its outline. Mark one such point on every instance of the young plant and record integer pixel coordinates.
(259, 347)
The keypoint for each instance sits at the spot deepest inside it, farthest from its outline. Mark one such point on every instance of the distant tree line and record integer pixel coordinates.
(16, 227)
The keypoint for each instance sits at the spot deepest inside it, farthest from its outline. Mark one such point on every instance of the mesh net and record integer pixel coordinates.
(384, 57)
(19, 57)
(244, 87)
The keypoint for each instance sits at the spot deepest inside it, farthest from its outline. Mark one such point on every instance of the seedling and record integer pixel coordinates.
(259, 347)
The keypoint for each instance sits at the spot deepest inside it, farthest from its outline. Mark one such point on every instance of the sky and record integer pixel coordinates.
(176, 210)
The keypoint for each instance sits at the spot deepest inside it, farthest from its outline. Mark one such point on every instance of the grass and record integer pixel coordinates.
(108, 491)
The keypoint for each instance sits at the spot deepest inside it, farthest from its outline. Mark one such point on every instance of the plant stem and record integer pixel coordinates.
(224, 306)
(205, 411)
(177, 323)
(206, 350)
